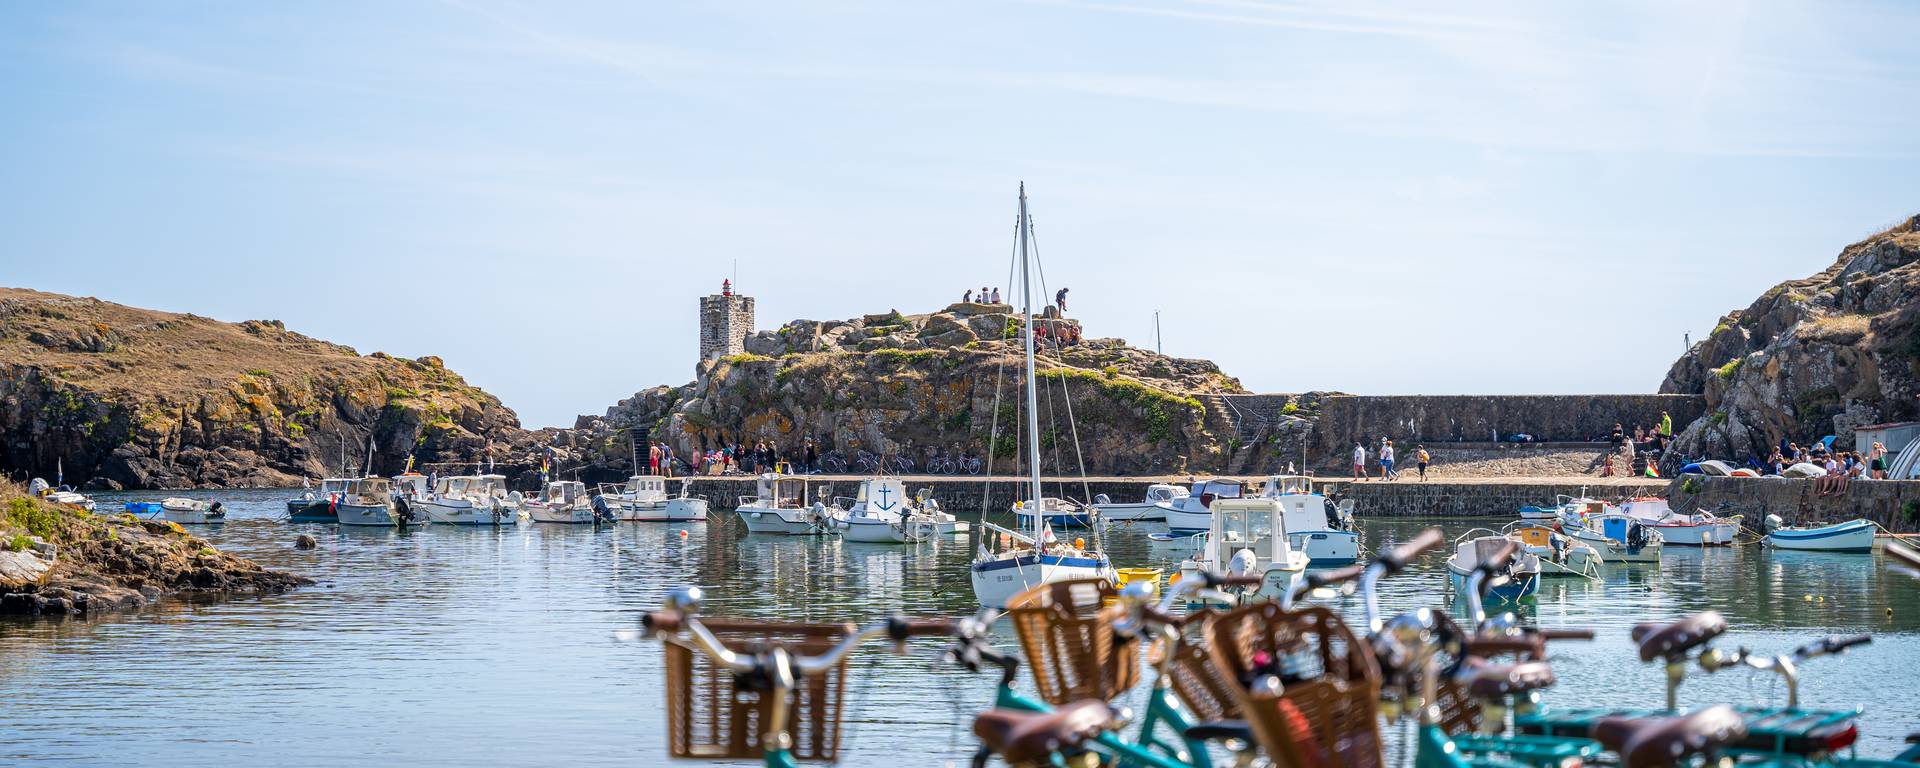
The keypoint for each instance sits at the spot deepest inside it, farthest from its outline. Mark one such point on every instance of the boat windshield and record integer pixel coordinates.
(1221, 489)
(1288, 485)
(1160, 493)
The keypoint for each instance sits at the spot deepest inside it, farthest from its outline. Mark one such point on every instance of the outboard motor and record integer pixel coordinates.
(1333, 514)
(600, 511)
(1774, 521)
(1101, 498)
(1637, 536)
(402, 511)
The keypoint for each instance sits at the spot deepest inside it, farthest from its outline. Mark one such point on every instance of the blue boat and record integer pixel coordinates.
(1523, 573)
(143, 508)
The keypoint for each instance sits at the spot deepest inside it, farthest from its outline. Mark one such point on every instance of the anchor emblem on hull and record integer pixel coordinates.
(884, 505)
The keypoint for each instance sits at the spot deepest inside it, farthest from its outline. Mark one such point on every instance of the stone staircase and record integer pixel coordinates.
(1250, 417)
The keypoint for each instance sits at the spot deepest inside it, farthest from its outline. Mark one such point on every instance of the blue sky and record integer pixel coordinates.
(1431, 198)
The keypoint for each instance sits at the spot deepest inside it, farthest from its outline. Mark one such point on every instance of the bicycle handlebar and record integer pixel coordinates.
(1320, 579)
(1396, 559)
(1500, 558)
(1830, 645)
(1565, 634)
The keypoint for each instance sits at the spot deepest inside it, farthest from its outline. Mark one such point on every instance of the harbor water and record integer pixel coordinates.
(465, 646)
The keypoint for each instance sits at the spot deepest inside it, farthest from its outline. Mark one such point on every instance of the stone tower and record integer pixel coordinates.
(725, 320)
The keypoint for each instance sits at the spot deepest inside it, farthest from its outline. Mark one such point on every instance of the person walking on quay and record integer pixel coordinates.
(1060, 301)
(1359, 461)
(1420, 456)
(1386, 462)
(811, 453)
(653, 458)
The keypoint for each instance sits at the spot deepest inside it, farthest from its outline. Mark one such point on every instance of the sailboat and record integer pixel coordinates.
(1035, 556)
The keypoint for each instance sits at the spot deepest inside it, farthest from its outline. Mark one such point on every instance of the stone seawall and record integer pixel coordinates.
(1891, 503)
(1481, 418)
(1456, 498)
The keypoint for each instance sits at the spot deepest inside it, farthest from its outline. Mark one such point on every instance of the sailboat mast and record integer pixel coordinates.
(1033, 399)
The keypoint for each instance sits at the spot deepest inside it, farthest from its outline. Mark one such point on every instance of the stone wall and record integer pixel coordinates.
(1883, 501)
(1481, 418)
(725, 322)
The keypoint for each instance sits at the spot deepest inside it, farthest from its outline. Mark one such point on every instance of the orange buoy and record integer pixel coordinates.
(1079, 543)
(683, 534)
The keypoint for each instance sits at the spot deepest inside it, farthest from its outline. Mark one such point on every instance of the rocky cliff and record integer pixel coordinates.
(922, 386)
(139, 398)
(1812, 357)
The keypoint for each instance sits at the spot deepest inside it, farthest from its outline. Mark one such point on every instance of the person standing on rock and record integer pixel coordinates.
(968, 298)
(1359, 461)
(1060, 301)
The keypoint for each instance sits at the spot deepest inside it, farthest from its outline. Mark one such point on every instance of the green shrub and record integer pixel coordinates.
(39, 519)
(1690, 485)
(1289, 409)
(1718, 418)
(745, 357)
(20, 543)
(259, 373)
(1727, 371)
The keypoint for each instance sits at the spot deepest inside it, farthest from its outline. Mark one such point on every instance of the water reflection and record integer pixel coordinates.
(483, 646)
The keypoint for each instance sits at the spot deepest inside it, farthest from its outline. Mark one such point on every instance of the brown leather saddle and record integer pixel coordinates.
(1026, 737)
(1660, 641)
(1662, 742)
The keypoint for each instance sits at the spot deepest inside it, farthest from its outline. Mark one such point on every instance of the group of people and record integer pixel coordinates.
(1642, 448)
(1837, 463)
(742, 459)
(1388, 471)
(985, 297)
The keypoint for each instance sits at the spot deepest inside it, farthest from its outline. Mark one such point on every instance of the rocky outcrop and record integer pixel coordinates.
(943, 384)
(56, 560)
(1812, 357)
(127, 397)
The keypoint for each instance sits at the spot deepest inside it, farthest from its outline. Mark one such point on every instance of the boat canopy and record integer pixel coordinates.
(1221, 489)
(566, 491)
(411, 482)
(1164, 492)
(783, 491)
(1250, 524)
(369, 490)
(334, 484)
(1288, 485)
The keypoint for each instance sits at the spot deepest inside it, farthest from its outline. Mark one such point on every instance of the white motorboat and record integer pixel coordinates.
(1700, 529)
(882, 513)
(471, 500)
(1151, 509)
(1850, 536)
(1017, 561)
(644, 499)
(1247, 537)
(408, 488)
(1315, 525)
(366, 501)
(781, 507)
(1522, 573)
(1189, 514)
(317, 506)
(562, 501)
(59, 494)
(1559, 554)
(1617, 537)
(192, 511)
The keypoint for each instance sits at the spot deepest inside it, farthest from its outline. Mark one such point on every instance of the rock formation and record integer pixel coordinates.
(1812, 357)
(137, 398)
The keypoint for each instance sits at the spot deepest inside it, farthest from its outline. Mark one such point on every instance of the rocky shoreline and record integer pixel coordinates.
(57, 560)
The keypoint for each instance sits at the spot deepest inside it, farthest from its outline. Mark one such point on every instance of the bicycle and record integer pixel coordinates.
(970, 465)
(771, 681)
(1028, 731)
(901, 465)
(1787, 736)
(833, 464)
(866, 463)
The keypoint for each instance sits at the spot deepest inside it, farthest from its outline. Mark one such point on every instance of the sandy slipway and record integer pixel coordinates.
(56, 560)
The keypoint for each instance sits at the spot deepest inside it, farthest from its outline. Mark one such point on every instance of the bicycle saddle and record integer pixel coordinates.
(1662, 742)
(1022, 737)
(1659, 640)
(1488, 681)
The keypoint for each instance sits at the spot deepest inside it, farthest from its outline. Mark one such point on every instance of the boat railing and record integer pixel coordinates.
(1023, 538)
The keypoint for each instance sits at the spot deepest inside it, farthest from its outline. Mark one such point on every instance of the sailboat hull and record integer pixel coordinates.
(366, 514)
(996, 581)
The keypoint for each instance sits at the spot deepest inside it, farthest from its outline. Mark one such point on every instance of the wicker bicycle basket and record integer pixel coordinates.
(1190, 670)
(1326, 710)
(1068, 636)
(709, 718)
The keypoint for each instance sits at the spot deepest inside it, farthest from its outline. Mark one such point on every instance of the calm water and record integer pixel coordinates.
(465, 646)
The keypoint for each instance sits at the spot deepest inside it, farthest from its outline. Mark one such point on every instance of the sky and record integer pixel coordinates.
(1400, 198)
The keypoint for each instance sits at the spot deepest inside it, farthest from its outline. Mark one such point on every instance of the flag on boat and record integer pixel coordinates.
(409, 469)
(1046, 534)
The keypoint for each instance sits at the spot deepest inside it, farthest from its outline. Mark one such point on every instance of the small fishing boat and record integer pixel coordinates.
(1522, 574)
(1315, 525)
(471, 500)
(562, 501)
(1559, 555)
(882, 513)
(1152, 509)
(59, 494)
(1617, 537)
(367, 501)
(1700, 529)
(1059, 513)
(781, 507)
(192, 511)
(316, 506)
(1249, 536)
(1190, 514)
(644, 499)
(1850, 536)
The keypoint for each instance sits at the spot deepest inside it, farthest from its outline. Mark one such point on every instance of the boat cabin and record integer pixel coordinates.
(884, 493)
(471, 486)
(782, 492)
(565, 492)
(645, 487)
(333, 485)
(1287, 485)
(1159, 492)
(1210, 490)
(1303, 509)
(1257, 525)
(411, 484)
(368, 491)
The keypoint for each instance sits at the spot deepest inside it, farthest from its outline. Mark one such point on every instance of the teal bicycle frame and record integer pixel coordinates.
(1148, 749)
